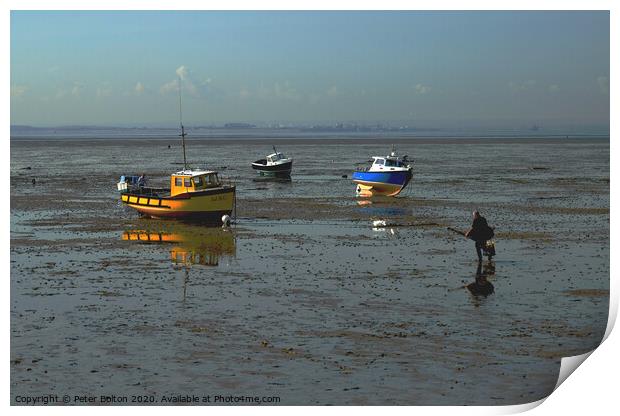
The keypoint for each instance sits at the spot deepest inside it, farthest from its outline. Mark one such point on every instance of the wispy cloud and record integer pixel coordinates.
(333, 91)
(77, 88)
(192, 85)
(244, 93)
(103, 91)
(286, 91)
(182, 72)
(17, 91)
(422, 89)
(75, 91)
(603, 84)
(554, 88)
(139, 88)
(521, 85)
(169, 86)
(280, 91)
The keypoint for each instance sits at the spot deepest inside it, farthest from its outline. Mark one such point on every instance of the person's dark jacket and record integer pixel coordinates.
(480, 230)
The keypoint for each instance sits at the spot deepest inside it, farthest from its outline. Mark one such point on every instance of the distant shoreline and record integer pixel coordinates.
(341, 139)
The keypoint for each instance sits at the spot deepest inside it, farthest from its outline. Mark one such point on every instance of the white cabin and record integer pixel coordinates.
(276, 159)
(389, 163)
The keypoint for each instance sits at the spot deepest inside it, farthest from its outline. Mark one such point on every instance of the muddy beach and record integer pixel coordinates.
(303, 299)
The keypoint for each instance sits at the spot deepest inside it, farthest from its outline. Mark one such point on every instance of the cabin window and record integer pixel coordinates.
(188, 182)
(389, 162)
(178, 182)
(198, 181)
(212, 179)
(379, 162)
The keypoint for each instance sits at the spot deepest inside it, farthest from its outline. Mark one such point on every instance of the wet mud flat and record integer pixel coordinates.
(305, 300)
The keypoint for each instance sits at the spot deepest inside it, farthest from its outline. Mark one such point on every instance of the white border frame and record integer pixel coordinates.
(592, 389)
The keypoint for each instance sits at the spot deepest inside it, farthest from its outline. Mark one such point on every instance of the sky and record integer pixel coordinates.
(432, 69)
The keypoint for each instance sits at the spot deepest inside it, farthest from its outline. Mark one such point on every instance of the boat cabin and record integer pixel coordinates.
(388, 163)
(274, 158)
(192, 181)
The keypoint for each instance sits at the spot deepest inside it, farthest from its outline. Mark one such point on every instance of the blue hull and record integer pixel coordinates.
(400, 178)
(381, 183)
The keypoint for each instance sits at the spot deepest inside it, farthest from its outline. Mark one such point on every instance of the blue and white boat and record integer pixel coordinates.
(387, 175)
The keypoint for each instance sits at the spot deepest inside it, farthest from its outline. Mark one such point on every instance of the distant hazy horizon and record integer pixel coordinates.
(348, 124)
(485, 70)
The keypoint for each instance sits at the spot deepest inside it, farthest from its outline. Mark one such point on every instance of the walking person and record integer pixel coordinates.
(480, 232)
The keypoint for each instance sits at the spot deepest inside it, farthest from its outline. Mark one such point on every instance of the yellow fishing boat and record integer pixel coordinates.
(193, 194)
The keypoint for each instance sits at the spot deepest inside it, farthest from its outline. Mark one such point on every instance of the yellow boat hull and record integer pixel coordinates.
(384, 189)
(208, 204)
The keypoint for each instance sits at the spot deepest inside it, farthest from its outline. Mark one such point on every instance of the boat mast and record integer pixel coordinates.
(183, 134)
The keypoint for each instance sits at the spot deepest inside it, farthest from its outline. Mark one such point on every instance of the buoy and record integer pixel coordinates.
(225, 220)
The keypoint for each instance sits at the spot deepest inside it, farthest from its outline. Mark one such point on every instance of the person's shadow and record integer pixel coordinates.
(481, 286)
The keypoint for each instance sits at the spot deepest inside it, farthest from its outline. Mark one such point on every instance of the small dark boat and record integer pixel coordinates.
(275, 164)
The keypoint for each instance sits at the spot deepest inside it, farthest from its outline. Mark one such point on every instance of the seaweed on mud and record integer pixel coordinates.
(588, 292)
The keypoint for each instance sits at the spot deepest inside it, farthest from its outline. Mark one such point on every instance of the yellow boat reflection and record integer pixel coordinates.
(190, 244)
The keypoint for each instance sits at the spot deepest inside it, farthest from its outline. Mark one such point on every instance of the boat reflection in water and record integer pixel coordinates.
(188, 244)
